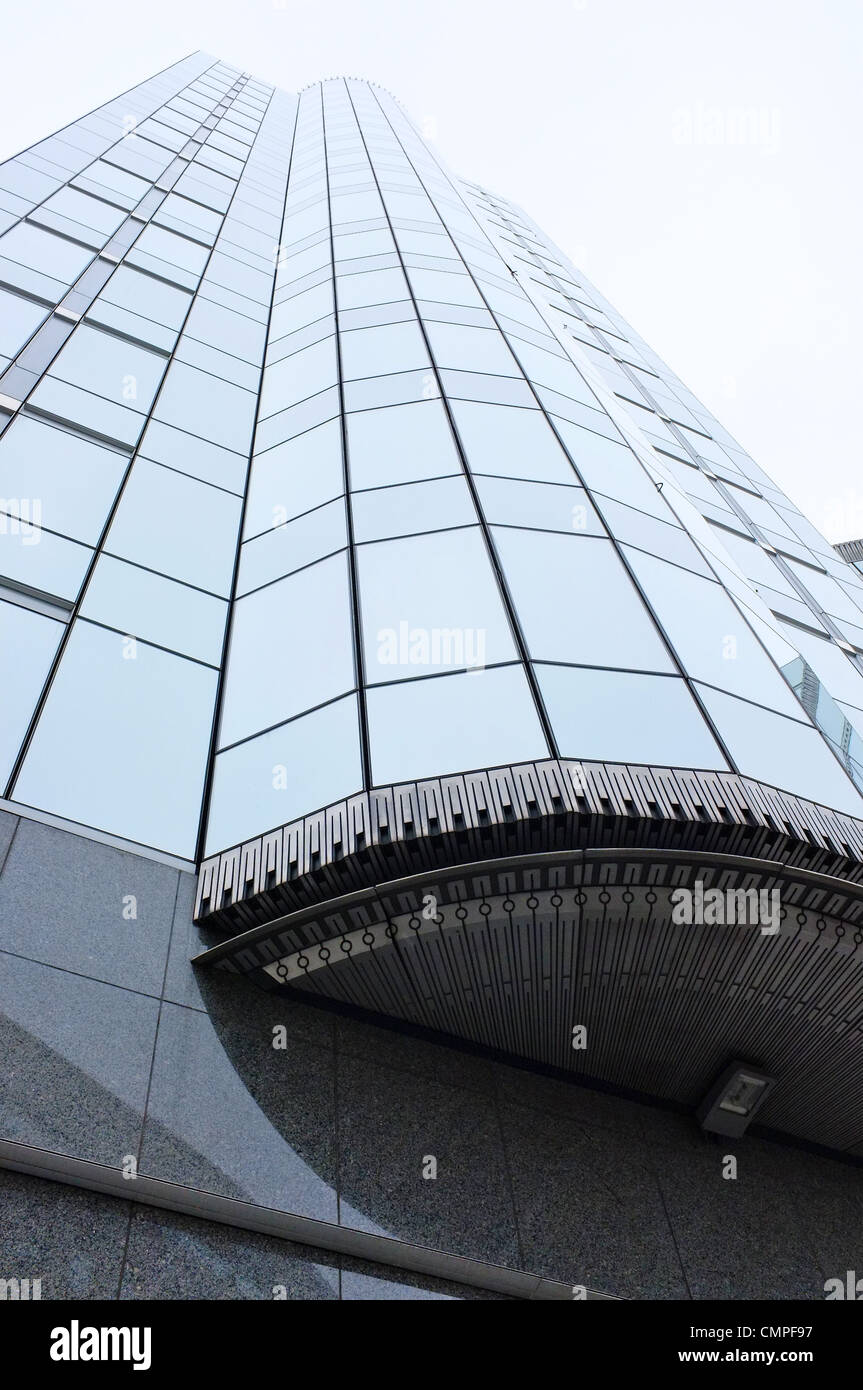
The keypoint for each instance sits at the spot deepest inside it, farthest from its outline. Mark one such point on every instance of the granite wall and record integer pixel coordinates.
(116, 1051)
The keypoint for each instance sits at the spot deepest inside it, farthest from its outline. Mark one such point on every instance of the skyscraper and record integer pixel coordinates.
(355, 554)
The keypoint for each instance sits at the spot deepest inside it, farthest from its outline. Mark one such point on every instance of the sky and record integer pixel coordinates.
(699, 161)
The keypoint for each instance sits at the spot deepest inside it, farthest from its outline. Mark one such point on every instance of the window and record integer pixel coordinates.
(292, 545)
(300, 628)
(403, 443)
(178, 526)
(267, 781)
(396, 347)
(616, 717)
(430, 603)
(449, 724)
(19, 319)
(141, 604)
(207, 406)
(28, 642)
(511, 442)
(408, 509)
(113, 722)
(73, 480)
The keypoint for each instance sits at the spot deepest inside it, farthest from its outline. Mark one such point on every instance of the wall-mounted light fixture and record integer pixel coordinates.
(734, 1099)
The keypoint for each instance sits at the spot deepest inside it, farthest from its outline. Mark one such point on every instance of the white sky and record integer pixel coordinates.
(616, 124)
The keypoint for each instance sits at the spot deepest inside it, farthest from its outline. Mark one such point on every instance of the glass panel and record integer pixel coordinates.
(113, 183)
(427, 728)
(411, 508)
(178, 526)
(371, 287)
(141, 604)
(830, 664)
(188, 217)
(121, 424)
(207, 406)
(648, 533)
(39, 261)
(557, 372)
(222, 328)
(69, 480)
(28, 642)
(300, 310)
(38, 559)
(294, 477)
(19, 319)
(298, 376)
(448, 286)
(198, 457)
(114, 722)
(143, 295)
(77, 214)
(710, 635)
(611, 468)
(301, 627)
(781, 752)
(510, 441)
(471, 349)
(826, 592)
(617, 717)
(576, 603)
(165, 253)
(399, 388)
(292, 545)
(297, 768)
(109, 367)
(549, 506)
(430, 602)
(400, 444)
(479, 386)
(398, 347)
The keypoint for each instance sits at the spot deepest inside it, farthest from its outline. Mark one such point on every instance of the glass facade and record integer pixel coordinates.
(323, 469)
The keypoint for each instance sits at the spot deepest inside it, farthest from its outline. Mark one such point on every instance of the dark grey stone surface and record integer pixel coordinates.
(7, 832)
(179, 1257)
(757, 1235)
(79, 918)
(595, 1109)
(69, 1238)
(84, 1245)
(231, 1114)
(436, 1061)
(589, 1212)
(378, 1283)
(181, 981)
(76, 1058)
(389, 1121)
(542, 1174)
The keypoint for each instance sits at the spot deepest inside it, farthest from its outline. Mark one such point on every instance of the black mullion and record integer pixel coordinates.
(359, 656)
(98, 548)
(485, 530)
(618, 548)
(218, 703)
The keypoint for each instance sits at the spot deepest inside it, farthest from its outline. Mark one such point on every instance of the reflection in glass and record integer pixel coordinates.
(427, 728)
(622, 717)
(122, 741)
(281, 775)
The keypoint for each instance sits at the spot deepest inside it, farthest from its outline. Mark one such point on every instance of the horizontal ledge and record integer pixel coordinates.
(305, 1230)
(375, 892)
(507, 811)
